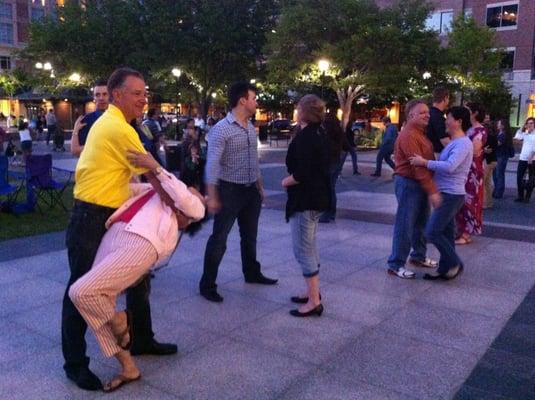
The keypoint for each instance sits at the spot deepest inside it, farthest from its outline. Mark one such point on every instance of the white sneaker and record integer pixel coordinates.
(403, 273)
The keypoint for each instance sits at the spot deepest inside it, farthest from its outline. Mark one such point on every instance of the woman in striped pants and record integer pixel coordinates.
(141, 234)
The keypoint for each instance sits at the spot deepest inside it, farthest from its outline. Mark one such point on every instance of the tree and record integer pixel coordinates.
(474, 59)
(225, 43)
(212, 44)
(383, 51)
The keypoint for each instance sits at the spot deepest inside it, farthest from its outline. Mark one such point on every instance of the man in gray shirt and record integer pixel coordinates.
(50, 118)
(234, 188)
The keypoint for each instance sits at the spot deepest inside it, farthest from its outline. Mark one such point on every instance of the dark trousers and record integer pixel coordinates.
(353, 152)
(239, 202)
(384, 154)
(84, 234)
(335, 170)
(440, 231)
(520, 172)
(498, 176)
(51, 130)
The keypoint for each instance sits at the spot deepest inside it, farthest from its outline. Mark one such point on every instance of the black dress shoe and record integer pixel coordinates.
(300, 300)
(212, 295)
(262, 280)
(84, 378)
(451, 274)
(315, 311)
(155, 348)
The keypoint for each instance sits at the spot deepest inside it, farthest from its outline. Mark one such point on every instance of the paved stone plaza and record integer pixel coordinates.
(380, 337)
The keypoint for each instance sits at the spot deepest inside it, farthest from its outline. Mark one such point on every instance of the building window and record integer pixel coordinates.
(502, 16)
(6, 10)
(508, 60)
(468, 13)
(37, 13)
(6, 33)
(5, 62)
(440, 21)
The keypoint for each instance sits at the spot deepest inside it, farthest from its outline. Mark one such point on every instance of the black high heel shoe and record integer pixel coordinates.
(318, 310)
(300, 300)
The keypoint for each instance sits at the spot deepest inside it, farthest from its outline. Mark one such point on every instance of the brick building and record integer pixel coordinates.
(514, 23)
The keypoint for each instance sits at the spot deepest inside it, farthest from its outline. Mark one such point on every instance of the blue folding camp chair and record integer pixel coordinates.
(40, 182)
(7, 191)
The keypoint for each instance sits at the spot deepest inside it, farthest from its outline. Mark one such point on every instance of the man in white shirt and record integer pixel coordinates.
(525, 161)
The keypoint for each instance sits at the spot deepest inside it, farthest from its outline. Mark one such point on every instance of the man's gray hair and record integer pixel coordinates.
(411, 105)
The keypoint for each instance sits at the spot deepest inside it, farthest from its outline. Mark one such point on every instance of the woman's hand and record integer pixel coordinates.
(418, 161)
(289, 181)
(142, 160)
(78, 124)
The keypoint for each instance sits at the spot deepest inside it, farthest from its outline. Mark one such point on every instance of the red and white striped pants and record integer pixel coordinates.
(122, 258)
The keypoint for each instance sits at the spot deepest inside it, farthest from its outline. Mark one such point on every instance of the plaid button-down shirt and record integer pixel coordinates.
(232, 153)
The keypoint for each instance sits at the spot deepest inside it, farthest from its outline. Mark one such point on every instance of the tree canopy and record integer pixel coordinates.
(385, 50)
(473, 66)
(382, 54)
(211, 44)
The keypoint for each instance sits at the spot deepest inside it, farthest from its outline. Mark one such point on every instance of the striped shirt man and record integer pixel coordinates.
(233, 153)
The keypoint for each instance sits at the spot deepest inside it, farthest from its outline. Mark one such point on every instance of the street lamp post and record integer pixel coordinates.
(323, 66)
(177, 72)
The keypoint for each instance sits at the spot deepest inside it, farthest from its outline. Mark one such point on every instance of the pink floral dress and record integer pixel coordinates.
(469, 219)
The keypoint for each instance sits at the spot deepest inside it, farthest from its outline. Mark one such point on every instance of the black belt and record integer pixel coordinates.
(91, 206)
(243, 185)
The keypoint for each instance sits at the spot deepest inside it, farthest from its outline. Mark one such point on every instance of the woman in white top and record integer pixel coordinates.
(25, 139)
(527, 137)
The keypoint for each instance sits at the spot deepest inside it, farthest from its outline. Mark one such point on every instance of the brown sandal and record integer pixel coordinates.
(122, 380)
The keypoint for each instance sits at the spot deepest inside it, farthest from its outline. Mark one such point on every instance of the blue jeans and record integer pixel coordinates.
(498, 176)
(440, 231)
(353, 152)
(241, 202)
(304, 226)
(384, 154)
(411, 216)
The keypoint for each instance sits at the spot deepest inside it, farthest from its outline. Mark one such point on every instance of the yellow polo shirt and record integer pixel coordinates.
(103, 171)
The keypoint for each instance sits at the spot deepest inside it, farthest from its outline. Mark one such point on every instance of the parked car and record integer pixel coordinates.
(281, 125)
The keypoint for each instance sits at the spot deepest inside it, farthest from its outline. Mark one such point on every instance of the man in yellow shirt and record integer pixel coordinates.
(103, 174)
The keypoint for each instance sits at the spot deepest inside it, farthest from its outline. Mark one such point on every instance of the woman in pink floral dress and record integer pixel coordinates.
(469, 219)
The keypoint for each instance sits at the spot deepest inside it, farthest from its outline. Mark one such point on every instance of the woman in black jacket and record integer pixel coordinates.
(308, 186)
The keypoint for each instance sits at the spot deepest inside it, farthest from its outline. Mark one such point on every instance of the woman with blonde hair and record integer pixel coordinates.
(308, 187)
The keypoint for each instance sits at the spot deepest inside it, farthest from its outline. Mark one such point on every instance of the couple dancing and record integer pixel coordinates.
(416, 186)
(141, 234)
(117, 232)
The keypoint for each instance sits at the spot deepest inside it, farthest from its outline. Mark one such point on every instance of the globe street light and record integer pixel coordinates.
(47, 66)
(75, 77)
(323, 66)
(176, 72)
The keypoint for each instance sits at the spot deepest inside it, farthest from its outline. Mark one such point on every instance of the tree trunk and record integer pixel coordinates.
(205, 105)
(346, 98)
